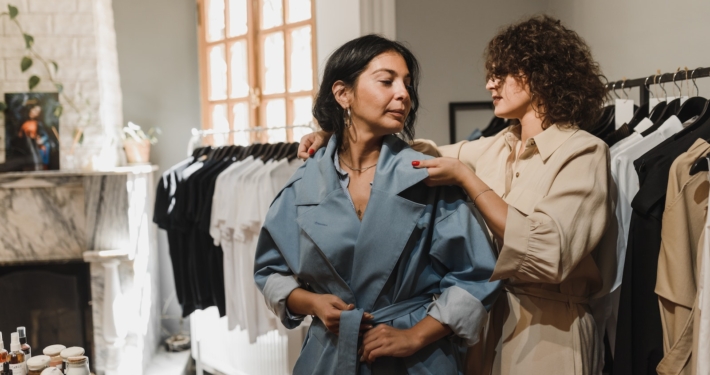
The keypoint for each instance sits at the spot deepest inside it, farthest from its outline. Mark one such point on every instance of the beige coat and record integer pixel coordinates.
(683, 223)
(560, 222)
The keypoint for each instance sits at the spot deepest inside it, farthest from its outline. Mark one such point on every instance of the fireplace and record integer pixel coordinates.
(78, 264)
(53, 300)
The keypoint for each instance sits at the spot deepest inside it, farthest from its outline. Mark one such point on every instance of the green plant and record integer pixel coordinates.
(134, 131)
(86, 115)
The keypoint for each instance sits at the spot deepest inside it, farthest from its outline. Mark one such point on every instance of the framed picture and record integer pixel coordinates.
(31, 132)
(465, 117)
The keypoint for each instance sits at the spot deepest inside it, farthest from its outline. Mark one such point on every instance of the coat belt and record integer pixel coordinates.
(350, 328)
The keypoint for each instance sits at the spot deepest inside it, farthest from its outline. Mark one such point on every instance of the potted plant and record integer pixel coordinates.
(137, 143)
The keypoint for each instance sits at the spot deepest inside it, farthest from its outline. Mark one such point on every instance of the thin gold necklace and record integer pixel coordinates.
(356, 169)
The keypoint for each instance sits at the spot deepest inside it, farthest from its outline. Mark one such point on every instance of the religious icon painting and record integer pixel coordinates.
(31, 132)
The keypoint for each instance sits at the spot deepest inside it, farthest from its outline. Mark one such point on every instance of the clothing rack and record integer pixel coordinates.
(644, 83)
(207, 132)
(199, 133)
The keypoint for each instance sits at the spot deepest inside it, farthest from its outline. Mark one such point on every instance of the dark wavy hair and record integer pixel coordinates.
(346, 64)
(556, 63)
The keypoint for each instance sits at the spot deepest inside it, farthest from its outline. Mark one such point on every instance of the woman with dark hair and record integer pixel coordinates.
(395, 273)
(543, 188)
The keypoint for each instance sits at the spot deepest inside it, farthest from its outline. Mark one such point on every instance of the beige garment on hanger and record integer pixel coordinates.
(683, 222)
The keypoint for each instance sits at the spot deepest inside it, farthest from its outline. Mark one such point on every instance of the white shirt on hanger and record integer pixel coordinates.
(628, 182)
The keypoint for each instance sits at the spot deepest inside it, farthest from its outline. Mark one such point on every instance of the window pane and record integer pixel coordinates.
(215, 19)
(302, 115)
(217, 73)
(220, 123)
(237, 17)
(299, 10)
(240, 72)
(301, 65)
(276, 117)
(241, 121)
(271, 13)
(274, 63)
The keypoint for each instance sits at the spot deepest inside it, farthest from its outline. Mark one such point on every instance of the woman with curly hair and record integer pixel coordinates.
(544, 189)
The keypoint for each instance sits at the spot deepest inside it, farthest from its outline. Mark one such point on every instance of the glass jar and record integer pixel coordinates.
(55, 355)
(74, 351)
(78, 366)
(37, 364)
(52, 371)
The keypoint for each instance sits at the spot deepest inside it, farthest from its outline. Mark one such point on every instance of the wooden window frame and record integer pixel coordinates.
(255, 50)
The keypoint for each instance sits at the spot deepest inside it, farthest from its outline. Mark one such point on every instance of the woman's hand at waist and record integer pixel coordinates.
(387, 341)
(310, 143)
(326, 307)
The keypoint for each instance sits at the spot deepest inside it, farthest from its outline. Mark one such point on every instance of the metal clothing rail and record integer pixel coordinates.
(206, 132)
(644, 83)
(198, 134)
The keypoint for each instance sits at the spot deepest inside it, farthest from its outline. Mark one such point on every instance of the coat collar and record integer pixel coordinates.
(395, 159)
(546, 142)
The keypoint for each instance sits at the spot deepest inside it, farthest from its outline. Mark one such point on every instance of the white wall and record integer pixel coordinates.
(337, 21)
(634, 38)
(629, 38)
(158, 64)
(448, 37)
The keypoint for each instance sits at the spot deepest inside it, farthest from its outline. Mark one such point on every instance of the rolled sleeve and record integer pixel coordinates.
(462, 254)
(516, 245)
(277, 289)
(460, 311)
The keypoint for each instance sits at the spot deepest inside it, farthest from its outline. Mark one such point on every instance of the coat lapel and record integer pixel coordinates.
(323, 216)
(388, 222)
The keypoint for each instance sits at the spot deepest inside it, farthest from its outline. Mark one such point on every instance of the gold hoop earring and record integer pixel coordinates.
(347, 118)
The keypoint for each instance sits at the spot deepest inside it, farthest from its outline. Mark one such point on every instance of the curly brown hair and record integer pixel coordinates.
(556, 63)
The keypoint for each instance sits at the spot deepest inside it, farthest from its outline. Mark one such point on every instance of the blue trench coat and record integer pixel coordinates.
(417, 251)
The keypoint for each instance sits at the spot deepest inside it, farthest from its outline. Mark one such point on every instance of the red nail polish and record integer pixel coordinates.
(415, 163)
(311, 152)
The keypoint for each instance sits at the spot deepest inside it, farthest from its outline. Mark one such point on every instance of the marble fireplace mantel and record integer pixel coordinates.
(105, 219)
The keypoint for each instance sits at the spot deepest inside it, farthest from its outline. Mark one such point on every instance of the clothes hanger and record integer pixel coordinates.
(640, 113)
(702, 120)
(606, 124)
(292, 151)
(700, 165)
(656, 111)
(695, 105)
(271, 151)
(245, 152)
(283, 151)
(669, 110)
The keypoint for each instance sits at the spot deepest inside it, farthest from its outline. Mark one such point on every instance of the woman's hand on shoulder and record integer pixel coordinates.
(310, 143)
(444, 171)
(387, 341)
